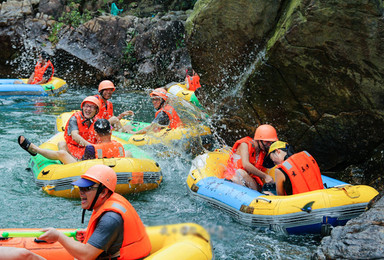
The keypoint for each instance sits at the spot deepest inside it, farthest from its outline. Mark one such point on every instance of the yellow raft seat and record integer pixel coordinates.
(188, 241)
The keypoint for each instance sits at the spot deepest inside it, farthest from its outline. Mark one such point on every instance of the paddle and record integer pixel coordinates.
(32, 234)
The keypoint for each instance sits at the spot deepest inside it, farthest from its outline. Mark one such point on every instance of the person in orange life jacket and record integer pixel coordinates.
(296, 172)
(166, 115)
(192, 80)
(79, 132)
(106, 89)
(104, 148)
(115, 230)
(44, 70)
(245, 163)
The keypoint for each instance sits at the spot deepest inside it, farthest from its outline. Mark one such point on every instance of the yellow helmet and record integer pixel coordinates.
(277, 145)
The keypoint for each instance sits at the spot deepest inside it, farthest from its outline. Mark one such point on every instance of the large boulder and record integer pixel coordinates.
(318, 78)
(360, 238)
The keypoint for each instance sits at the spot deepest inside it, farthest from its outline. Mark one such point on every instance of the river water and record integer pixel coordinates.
(23, 205)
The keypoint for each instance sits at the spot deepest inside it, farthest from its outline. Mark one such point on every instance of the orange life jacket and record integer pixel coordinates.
(234, 164)
(136, 243)
(109, 150)
(40, 70)
(106, 108)
(193, 82)
(85, 131)
(174, 118)
(303, 172)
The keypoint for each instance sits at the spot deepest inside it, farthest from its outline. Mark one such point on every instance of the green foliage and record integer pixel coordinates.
(180, 42)
(129, 54)
(74, 18)
(53, 37)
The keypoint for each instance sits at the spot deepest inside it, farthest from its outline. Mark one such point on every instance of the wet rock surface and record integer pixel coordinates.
(360, 238)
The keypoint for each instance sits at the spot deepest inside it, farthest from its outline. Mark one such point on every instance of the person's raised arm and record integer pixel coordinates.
(78, 138)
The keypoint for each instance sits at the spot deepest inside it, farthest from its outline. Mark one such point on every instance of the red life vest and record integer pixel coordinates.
(106, 108)
(40, 70)
(303, 172)
(234, 164)
(85, 131)
(136, 243)
(193, 82)
(174, 118)
(109, 150)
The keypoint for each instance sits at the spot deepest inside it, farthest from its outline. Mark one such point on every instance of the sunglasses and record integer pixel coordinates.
(86, 189)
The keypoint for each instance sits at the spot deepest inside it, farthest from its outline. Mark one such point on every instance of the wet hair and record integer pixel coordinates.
(45, 55)
(102, 127)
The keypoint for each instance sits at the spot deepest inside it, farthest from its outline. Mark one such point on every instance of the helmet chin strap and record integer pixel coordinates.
(99, 190)
(88, 119)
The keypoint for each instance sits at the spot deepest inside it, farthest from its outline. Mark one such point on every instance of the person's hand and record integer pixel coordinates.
(51, 235)
(80, 235)
(268, 179)
(126, 113)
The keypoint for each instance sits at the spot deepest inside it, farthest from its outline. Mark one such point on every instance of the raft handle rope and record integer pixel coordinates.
(138, 140)
(261, 198)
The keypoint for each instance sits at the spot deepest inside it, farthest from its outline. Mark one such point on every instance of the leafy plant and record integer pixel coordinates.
(129, 54)
(53, 37)
(74, 18)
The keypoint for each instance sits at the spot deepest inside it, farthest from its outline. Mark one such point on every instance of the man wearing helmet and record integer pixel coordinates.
(245, 163)
(106, 89)
(166, 115)
(115, 230)
(104, 148)
(295, 172)
(44, 70)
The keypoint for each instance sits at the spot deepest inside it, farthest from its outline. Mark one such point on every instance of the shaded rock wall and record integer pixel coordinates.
(317, 77)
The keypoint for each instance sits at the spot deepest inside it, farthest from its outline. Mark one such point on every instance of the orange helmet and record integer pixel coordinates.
(91, 99)
(102, 174)
(106, 84)
(160, 92)
(266, 133)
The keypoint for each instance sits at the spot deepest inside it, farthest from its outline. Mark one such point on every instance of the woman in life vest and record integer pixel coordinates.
(106, 89)
(104, 148)
(166, 115)
(79, 131)
(245, 163)
(115, 230)
(192, 80)
(295, 173)
(44, 70)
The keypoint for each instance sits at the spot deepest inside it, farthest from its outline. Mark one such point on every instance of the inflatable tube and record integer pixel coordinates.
(179, 137)
(134, 175)
(188, 241)
(181, 91)
(55, 86)
(311, 212)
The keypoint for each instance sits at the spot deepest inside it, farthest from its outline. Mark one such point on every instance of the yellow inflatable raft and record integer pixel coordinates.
(188, 241)
(134, 175)
(184, 138)
(311, 212)
(180, 90)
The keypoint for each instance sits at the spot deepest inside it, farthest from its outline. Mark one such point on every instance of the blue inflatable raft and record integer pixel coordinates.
(55, 86)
